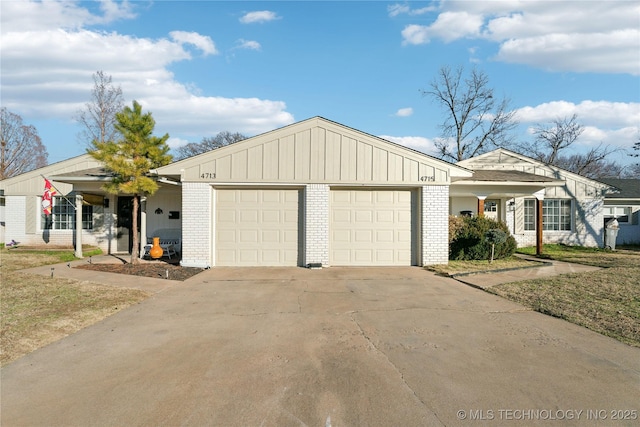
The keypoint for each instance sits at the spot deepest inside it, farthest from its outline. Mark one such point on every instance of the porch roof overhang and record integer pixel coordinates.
(500, 183)
(86, 175)
(100, 175)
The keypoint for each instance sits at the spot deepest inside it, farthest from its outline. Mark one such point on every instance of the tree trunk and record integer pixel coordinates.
(135, 249)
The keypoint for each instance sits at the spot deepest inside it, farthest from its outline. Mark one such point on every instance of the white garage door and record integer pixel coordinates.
(256, 227)
(371, 227)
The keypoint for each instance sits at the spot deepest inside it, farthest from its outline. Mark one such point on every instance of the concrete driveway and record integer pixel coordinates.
(338, 346)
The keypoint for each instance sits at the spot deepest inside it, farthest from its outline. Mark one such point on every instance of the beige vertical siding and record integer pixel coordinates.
(313, 152)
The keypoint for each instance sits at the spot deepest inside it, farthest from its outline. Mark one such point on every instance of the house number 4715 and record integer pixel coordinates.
(427, 178)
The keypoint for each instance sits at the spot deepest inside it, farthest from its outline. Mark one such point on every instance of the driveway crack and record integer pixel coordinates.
(395, 368)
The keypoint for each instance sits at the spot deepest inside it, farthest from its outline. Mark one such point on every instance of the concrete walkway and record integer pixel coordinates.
(337, 346)
(548, 268)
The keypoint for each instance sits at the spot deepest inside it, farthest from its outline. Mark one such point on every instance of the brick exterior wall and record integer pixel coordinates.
(197, 217)
(316, 223)
(435, 224)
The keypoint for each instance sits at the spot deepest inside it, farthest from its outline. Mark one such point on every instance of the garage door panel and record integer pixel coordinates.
(248, 217)
(364, 216)
(385, 216)
(290, 236)
(257, 227)
(385, 256)
(371, 227)
(363, 256)
(363, 236)
(384, 236)
(247, 236)
(270, 236)
(271, 216)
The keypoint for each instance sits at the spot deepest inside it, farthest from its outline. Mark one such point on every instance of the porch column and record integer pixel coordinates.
(143, 225)
(539, 202)
(78, 251)
(481, 205)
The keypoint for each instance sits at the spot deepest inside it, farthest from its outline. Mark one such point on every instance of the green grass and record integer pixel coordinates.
(606, 301)
(38, 310)
(480, 266)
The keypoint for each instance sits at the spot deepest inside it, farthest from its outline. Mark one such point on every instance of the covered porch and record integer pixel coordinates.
(500, 195)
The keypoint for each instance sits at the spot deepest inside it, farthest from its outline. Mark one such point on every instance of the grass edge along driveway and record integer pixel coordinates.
(606, 301)
(38, 310)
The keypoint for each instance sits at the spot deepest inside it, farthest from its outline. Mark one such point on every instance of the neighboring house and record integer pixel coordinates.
(624, 206)
(314, 193)
(24, 221)
(521, 191)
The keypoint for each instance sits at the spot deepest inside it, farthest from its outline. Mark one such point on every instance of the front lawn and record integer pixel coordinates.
(606, 301)
(38, 310)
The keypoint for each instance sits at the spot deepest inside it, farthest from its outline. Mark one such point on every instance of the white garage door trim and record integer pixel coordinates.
(257, 227)
(372, 227)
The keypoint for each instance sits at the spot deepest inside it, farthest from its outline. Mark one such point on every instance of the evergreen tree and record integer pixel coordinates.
(131, 158)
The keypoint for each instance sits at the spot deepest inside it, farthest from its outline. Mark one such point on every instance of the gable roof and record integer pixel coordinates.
(492, 175)
(626, 188)
(502, 158)
(32, 182)
(314, 150)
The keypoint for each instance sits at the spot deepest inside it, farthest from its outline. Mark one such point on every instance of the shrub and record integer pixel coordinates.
(469, 242)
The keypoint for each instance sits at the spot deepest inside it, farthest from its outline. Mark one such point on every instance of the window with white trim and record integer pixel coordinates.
(529, 214)
(621, 213)
(63, 216)
(556, 214)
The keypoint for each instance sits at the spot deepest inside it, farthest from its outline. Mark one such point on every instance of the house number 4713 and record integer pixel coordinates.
(207, 175)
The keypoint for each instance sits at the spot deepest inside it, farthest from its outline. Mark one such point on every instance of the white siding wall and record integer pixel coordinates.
(587, 223)
(316, 220)
(22, 209)
(15, 219)
(435, 224)
(197, 220)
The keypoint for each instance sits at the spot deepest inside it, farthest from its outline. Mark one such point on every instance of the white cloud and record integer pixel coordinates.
(399, 9)
(259, 16)
(449, 26)
(176, 142)
(568, 52)
(58, 43)
(415, 34)
(602, 113)
(418, 143)
(248, 44)
(610, 123)
(583, 36)
(116, 10)
(203, 43)
(404, 112)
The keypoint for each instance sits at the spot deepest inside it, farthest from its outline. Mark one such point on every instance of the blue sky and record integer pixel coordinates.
(202, 67)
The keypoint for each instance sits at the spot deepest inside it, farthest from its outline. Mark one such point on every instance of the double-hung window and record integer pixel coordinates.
(556, 214)
(63, 216)
(621, 213)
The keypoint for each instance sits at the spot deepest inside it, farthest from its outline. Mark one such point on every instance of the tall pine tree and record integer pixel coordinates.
(131, 158)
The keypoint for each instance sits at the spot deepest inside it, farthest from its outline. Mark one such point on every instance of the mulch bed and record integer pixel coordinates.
(156, 270)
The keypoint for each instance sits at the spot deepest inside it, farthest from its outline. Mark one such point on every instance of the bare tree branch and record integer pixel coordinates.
(475, 122)
(21, 149)
(98, 116)
(222, 139)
